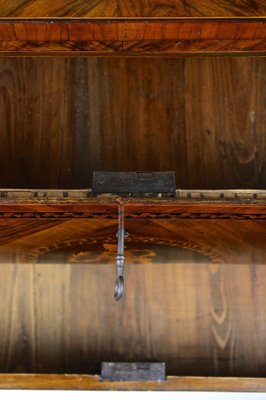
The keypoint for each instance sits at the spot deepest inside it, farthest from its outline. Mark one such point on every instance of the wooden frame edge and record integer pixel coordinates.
(92, 382)
(171, 37)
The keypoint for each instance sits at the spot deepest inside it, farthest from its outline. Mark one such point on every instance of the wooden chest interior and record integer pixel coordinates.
(63, 118)
(195, 264)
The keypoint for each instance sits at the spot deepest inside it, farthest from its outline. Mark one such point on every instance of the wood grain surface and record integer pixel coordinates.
(63, 118)
(89, 241)
(194, 294)
(204, 277)
(133, 37)
(92, 382)
(127, 8)
(204, 319)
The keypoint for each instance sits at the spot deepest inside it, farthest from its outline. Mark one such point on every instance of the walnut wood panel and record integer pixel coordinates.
(203, 319)
(127, 8)
(92, 382)
(203, 118)
(126, 37)
(235, 145)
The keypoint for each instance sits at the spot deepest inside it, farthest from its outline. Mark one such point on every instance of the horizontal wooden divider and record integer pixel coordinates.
(92, 382)
(108, 37)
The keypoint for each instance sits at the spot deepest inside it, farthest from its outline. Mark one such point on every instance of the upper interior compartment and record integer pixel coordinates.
(62, 118)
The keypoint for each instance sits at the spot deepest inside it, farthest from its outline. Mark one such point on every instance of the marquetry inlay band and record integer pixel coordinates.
(81, 195)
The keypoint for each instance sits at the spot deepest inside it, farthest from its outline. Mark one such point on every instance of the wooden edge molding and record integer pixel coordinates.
(135, 18)
(132, 37)
(92, 382)
(66, 195)
(240, 205)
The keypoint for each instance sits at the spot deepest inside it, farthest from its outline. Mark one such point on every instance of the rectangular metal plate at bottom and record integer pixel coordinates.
(135, 371)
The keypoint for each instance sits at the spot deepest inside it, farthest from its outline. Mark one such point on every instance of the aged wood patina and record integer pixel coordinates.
(195, 276)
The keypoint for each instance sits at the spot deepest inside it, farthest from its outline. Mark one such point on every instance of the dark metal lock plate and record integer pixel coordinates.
(134, 182)
(135, 371)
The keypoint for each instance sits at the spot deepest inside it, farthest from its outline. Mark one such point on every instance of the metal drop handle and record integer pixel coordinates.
(120, 258)
(119, 288)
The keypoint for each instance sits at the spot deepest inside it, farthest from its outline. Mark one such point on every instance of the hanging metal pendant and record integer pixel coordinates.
(120, 258)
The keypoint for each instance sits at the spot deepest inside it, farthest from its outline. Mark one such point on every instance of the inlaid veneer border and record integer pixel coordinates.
(135, 215)
(129, 36)
(202, 205)
(80, 195)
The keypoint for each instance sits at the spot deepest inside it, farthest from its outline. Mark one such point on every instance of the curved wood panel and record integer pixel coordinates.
(39, 228)
(94, 241)
(127, 8)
